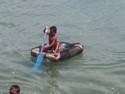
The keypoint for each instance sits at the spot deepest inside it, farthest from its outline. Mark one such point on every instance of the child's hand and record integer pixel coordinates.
(46, 46)
(46, 29)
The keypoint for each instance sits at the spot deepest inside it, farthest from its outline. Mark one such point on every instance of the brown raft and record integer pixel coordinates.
(66, 50)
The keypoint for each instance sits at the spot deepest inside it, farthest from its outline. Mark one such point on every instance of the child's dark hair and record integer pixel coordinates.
(53, 28)
(15, 87)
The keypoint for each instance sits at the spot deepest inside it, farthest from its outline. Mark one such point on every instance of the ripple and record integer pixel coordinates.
(7, 24)
(98, 70)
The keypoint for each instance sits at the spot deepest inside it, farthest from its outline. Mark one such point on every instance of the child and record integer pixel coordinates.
(14, 89)
(53, 45)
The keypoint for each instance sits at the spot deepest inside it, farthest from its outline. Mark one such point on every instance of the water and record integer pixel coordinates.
(98, 24)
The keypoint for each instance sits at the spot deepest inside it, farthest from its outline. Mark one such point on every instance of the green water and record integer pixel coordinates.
(98, 24)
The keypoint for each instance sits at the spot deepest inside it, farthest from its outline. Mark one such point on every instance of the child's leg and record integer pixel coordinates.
(56, 49)
(49, 50)
(44, 49)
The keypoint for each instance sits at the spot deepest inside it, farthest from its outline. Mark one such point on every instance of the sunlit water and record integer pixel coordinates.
(98, 24)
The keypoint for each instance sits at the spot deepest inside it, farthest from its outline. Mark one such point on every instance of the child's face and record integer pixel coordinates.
(52, 32)
(14, 91)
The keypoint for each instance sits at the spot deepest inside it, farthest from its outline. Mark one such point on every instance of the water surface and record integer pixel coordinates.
(98, 24)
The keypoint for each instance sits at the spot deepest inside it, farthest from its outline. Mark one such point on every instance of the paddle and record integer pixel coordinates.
(40, 56)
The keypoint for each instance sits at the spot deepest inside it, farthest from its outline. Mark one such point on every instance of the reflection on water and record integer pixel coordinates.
(52, 72)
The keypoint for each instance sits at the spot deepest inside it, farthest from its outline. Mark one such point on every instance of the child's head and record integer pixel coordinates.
(14, 89)
(53, 30)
